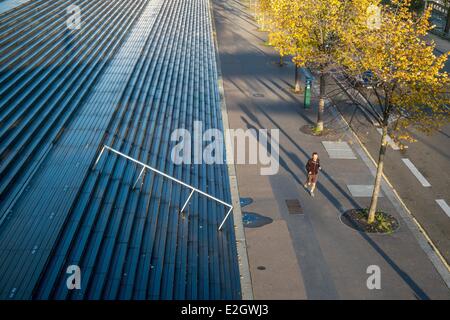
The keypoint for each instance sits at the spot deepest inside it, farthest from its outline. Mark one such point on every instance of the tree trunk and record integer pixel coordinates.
(297, 87)
(319, 125)
(281, 60)
(378, 177)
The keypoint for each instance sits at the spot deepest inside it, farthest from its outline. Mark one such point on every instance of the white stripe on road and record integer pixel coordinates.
(416, 173)
(444, 206)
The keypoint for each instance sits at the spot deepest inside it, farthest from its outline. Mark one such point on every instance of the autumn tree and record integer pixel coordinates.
(284, 32)
(406, 76)
(263, 10)
(313, 30)
(280, 34)
(272, 20)
(309, 31)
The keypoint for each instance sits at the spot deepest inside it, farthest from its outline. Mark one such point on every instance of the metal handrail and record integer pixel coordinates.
(145, 166)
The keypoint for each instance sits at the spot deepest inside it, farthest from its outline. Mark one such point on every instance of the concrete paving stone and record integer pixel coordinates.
(338, 150)
(362, 190)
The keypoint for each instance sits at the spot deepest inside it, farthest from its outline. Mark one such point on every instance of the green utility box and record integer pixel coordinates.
(307, 97)
(307, 79)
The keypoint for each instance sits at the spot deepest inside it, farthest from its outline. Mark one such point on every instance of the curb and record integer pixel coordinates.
(244, 269)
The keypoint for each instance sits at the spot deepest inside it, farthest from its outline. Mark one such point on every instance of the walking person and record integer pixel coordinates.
(312, 168)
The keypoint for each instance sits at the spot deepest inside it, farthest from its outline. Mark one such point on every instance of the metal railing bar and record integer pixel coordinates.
(140, 174)
(224, 219)
(145, 166)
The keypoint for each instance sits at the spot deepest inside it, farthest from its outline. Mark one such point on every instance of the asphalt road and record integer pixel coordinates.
(442, 46)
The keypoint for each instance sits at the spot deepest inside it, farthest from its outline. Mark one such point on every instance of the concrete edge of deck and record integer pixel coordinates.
(241, 244)
(9, 5)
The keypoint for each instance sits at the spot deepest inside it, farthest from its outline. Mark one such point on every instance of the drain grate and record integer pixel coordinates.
(294, 206)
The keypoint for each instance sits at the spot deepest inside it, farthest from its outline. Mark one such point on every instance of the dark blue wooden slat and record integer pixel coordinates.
(134, 243)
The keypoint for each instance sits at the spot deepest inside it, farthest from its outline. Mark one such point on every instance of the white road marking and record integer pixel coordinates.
(416, 173)
(391, 142)
(444, 206)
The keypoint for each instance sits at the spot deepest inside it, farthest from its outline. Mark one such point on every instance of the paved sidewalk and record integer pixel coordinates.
(311, 255)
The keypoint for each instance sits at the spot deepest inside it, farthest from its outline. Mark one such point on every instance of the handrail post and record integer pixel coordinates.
(189, 198)
(98, 158)
(224, 219)
(140, 174)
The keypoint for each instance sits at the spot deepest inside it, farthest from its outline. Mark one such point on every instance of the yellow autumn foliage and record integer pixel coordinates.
(408, 76)
(329, 34)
